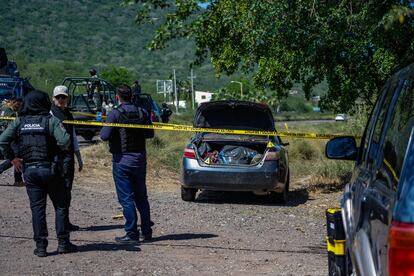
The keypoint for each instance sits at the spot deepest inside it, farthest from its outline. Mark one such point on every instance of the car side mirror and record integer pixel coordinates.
(343, 148)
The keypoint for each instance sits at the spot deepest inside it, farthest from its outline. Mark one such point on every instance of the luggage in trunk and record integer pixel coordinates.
(231, 152)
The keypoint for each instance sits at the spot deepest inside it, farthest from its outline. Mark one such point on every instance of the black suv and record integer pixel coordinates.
(378, 203)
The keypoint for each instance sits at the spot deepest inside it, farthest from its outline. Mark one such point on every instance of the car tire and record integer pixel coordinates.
(188, 194)
(283, 196)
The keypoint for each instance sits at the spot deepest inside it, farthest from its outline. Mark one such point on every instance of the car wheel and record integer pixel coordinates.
(188, 194)
(283, 196)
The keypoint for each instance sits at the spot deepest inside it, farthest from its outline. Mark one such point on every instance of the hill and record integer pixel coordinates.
(51, 39)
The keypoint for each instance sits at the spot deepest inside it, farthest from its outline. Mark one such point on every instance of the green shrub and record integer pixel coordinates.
(304, 149)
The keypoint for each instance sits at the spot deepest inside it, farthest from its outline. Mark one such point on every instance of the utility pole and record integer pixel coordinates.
(192, 77)
(175, 93)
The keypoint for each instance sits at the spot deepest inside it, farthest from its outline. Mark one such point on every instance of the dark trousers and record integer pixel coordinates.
(40, 182)
(132, 194)
(68, 176)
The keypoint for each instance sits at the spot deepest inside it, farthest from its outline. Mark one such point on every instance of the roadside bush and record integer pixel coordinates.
(304, 150)
(167, 147)
(157, 142)
(295, 104)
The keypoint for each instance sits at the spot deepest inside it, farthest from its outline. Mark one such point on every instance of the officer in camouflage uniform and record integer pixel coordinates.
(38, 136)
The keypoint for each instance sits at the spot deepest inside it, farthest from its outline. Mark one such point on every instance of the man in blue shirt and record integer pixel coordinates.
(127, 146)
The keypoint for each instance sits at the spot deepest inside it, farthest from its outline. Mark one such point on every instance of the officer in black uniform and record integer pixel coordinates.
(129, 161)
(38, 136)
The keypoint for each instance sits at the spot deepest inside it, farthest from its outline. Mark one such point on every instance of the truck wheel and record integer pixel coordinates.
(188, 194)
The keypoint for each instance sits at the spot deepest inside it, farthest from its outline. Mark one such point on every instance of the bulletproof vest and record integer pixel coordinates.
(131, 139)
(35, 142)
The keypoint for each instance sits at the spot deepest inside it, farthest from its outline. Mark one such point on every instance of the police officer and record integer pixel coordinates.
(38, 135)
(10, 109)
(165, 113)
(127, 146)
(60, 111)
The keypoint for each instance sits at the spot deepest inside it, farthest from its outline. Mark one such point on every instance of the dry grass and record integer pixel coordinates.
(97, 172)
(307, 160)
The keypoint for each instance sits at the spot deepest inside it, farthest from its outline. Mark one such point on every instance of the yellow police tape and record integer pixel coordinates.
(187, 128)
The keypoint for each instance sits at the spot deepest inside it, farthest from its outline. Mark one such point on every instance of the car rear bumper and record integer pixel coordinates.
(263, 178)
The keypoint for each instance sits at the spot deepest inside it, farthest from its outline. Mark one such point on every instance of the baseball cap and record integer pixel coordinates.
(60, 90)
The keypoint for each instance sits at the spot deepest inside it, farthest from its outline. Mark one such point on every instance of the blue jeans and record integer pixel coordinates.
(132, 194)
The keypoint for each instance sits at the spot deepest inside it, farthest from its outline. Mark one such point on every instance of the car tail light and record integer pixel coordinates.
(401, 249)
(152, 116)
(272, 155)
(189, 153)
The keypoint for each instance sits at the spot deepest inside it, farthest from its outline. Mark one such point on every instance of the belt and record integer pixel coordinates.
(35, 165)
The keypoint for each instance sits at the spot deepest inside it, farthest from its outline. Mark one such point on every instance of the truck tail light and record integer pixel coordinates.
(153, 116)
(272, 155)
(401, 249)
(189, 153)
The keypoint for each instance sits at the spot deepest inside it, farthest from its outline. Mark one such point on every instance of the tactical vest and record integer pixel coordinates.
(131, 139)
(35, 142)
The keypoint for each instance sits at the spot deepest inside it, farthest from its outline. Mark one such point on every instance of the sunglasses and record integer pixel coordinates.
(61, 97)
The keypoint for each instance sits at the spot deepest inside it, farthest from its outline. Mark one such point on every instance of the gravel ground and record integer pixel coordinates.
(219, 234)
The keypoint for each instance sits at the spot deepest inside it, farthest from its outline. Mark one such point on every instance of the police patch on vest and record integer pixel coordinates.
(32, 127)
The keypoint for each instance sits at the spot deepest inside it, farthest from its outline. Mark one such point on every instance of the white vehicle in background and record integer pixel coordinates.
(341, 118)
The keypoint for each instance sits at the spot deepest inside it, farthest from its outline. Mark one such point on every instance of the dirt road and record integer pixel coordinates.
(219, 234)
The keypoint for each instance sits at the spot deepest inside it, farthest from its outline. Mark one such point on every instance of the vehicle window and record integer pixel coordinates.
(399, 130)
(371, 122)
(374, 143)
(80, 103)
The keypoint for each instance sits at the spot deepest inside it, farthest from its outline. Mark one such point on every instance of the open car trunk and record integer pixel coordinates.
(243, 150)
(226, 149)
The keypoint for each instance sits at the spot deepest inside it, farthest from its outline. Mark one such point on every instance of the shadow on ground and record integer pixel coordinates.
(107, 246)
(102, 227)
(296, 197)
(183, 236)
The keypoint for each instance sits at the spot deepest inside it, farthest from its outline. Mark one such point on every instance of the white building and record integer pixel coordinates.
(202, 97)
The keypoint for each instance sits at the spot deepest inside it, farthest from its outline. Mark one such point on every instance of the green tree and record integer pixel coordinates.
(118, 75)
(353, 45)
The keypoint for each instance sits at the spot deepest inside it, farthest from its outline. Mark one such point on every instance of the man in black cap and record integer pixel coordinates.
(127, 146)
(38, 136)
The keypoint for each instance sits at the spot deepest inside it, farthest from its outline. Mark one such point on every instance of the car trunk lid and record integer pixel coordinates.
(234, 115)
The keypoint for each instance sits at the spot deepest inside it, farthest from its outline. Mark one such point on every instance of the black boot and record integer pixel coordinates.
(40, 252)
(41, 246)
